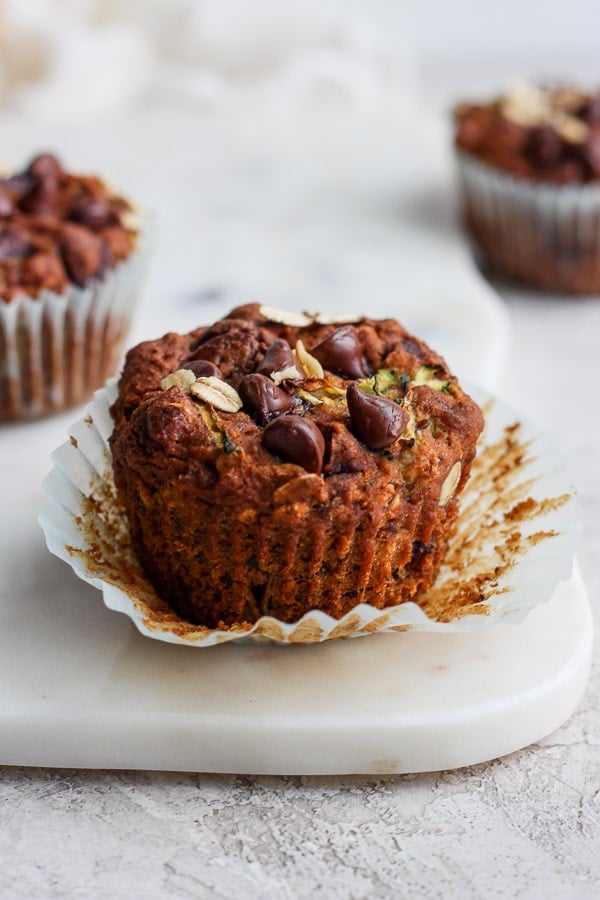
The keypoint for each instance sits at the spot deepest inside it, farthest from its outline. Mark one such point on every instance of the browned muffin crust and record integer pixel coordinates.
(58, 229)
(287, 491)
(540, 133)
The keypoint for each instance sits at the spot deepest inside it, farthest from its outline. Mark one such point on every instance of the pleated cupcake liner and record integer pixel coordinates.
(514, 541)
(541, 234)
(57, 349)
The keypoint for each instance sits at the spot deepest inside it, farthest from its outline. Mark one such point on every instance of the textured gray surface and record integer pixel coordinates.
(525, 826)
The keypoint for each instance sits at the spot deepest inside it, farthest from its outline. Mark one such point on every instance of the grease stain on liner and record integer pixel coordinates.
(514, 541)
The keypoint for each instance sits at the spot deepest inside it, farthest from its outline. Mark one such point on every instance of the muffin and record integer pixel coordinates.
(276, 463)
(529, 173)
(69, 272)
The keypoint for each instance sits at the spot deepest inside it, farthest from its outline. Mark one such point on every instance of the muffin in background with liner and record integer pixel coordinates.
(70, 269)
(529, 176)
(275, 463)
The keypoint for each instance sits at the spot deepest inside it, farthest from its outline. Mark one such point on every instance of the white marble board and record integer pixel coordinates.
(79, 686)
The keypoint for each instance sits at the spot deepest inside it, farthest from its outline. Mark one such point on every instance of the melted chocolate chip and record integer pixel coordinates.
(590, 111)
(45, 166)
(544, 146)
(279, 356)
(264, 398)
(82, 253)
(297, 441)
(13, 244)
(202, 368)
(377, 422)
(233, 351)
(7, 206)
(341, 352)
(44, 199)
(18, 184)
(411, 346)
(589, 152)
(95, 214)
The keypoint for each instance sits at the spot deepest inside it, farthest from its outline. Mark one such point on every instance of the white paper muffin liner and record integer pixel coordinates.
(542, 234)
(514, 543)
(57, 349)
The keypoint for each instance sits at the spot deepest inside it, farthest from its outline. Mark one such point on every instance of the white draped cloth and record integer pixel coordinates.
(84, 57)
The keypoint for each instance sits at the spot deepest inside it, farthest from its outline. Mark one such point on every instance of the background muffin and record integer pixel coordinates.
(529, 166)
(69, 271)
(275, 463)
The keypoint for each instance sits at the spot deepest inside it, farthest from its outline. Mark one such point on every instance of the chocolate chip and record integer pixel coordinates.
(44, 199)
(411, 346)
(590, 111)
(544, 146)
(233, 352)
(43, 196)
(7, 206)
(341, 352)
(82, 253)
(297, 441)
(18, 184)
(13, 244)
(589, 152)
(45, 166)
(264, 398)
(279, 356)
(94, 214)
(377, 422)
(202, 368)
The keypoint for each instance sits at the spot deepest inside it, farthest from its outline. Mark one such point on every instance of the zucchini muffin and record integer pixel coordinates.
(69, 271)
(529, 167)
(275, 463)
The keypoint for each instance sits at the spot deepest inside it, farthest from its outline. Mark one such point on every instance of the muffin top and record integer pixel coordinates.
(541, 133)
(265, 397)
(58, 229)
